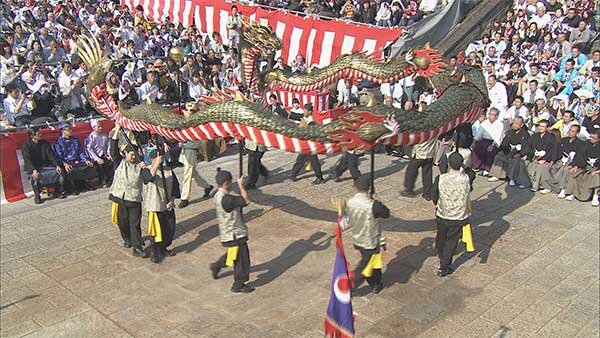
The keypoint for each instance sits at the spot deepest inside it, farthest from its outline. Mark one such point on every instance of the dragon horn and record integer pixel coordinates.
(85, 52)
(372, 102)
(427, 45)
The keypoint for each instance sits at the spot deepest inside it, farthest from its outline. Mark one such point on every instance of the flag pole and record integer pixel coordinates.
(372, 171)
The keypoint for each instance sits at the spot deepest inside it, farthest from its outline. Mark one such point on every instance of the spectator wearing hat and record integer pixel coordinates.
(97, 147)
(451, 195)
(583, 179)
(72, 157)
(41, 165)
(126, 195)
(233, 231)
(362, 215)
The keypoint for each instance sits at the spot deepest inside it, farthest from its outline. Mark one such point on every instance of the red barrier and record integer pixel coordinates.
(15, 184)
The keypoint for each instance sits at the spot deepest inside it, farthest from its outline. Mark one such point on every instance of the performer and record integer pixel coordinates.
(362, 214)
(583, 181)
(301, 160)
(126, 194)
(451, 193)
(566, 151)
(233, 232)
(255, 167)
(349, 161)
(189, 158)
(508, 162)
(540, 153)
(461, 141)
(422, 157)
(161, 188)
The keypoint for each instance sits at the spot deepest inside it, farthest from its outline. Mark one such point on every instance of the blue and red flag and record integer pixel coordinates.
(339, 322)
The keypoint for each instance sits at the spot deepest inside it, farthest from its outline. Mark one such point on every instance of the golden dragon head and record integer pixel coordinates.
(260, 37)
(88, 49)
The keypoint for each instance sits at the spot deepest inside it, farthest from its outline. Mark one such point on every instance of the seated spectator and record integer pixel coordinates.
(396, 14)
(366, 13)
(348, 95)
(71, 88)
(71, 156)
(591, 63)
(97, 145)
(428, 6)
(498, 43)
(580, 35)
(564, 46)
(565, 77)
(41, 165)
(411, 14)
(513, 78)
(36, 54)
(552, 6)
(490, 70)
(348, 11)
(572, 19)
(497, 94)
(508, 163)
(518, 109)
(591, 121)
(533, 74)
(502, 67)
(540, 157)
(565, 123)
(565, 153)
(541, 18)
(488, 137)
(383, 15)
(299, 65)
(281, 65)
(197, 87)
(579, 59)
(177, 89)
(296, 113)
(276, 107)
(127, 94)
(149, 90)
(533, 93)
(583, 180)
(17, 107)
(490, 55)
(55, 54)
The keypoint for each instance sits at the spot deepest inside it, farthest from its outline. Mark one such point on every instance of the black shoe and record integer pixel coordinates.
(426, 197)
(104, 185)
(408, 193)
(377, 288)
(207, 191)
(167, 252)
(250, 187)
(37, 199)
(62, 195)
(155, 259)
(293, 178)
(139, 252)
(75, 192)
(319, 180)
(214, 269)
(127, 244)
(444, 273)
(242, 289)
(337, 179)
(183, 204)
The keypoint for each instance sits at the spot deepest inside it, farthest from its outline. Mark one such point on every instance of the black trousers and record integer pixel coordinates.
(347, 162)
(105, 171)
(129, 218)
(412, 171)
(365, 256)
(167, 227)
(241, 266)
(301, 162)
(78, 176)
(446, 239)
(255, 167)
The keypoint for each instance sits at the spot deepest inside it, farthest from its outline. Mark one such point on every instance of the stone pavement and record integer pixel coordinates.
(64, 272)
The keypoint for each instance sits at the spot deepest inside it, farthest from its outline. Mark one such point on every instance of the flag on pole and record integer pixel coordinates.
(339, 321)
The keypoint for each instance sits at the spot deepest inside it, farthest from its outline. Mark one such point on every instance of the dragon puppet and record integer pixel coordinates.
(462, 96)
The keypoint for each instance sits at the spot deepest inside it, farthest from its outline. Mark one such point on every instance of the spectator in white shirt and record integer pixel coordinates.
(17, 107)
(502, 67)
(347, 95)
(533, 93)
(489, 69)
(490, 55)
(517, 109)
(498, 43)
(497, 94)
(394, 91)
(196, 88)
(70, 87)
(149, 90)
(34, 79)
(541, 18)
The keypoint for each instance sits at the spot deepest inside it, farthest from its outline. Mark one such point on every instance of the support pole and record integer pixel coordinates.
(241, 158)
(372, 171)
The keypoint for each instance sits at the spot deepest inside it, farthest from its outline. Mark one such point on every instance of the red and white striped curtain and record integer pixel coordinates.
(319, 41)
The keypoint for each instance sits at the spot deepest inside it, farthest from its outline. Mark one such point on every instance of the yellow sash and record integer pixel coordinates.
(467, 238)
(154, 229)
(375, 262)
(308, 167)
(114, 210)
(232, 254)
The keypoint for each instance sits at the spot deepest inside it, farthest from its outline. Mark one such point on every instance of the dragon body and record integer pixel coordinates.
(259, 41)
(462, 96)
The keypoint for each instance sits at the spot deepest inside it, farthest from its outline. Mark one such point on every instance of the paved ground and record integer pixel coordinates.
(535, 273)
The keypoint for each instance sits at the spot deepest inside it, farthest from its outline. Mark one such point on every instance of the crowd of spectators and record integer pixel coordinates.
(543, 126)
